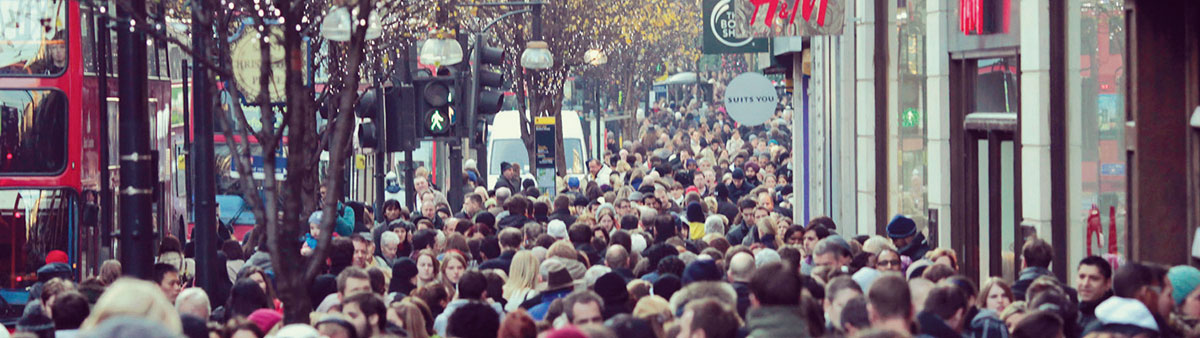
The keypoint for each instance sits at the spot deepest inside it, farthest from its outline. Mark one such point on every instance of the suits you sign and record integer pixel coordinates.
(750, 99)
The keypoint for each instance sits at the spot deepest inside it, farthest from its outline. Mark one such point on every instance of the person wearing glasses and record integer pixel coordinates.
(888, 260)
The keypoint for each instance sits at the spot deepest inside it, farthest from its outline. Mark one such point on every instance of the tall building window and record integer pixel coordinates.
(908, 128)
(1101, 161)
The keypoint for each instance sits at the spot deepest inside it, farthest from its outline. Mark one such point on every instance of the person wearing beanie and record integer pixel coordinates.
(701, 269)
(404, 277)
(666, 286)
(1186, 295)
(557, 229)
(56, 256)
(314, 229)
(265, 319)
(695, 219)
(37, 323)
(507, 176)
(903, 232)
(611, 288)
(739, 187)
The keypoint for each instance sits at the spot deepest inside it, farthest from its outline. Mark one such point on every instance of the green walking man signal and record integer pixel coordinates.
(436, 122)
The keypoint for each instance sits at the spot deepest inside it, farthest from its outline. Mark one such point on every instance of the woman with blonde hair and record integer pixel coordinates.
(133, 298)
(408, 314)
(522, 280)
(767, 233)
(657, 311)
(110, 271)
(943, 255)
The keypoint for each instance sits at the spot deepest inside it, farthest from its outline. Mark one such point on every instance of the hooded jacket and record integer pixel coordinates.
(917, 248)
(1126, 316)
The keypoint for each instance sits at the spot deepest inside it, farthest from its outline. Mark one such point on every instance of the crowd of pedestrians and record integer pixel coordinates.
(683, 232)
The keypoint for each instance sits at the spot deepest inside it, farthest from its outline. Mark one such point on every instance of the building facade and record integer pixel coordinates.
(989, 121)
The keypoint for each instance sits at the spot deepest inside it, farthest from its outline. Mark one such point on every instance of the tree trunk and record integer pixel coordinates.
(298, 188)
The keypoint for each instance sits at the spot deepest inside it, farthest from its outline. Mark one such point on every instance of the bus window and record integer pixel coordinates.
(573, 150)
(33, 132)
(508, 150)
(33, 41)
(32, 223)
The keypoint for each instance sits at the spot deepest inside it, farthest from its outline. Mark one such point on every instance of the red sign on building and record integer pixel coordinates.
(978, 17)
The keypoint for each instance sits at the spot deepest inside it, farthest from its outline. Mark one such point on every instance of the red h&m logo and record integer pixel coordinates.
(978, 17)
(970, 19)
(782, 6)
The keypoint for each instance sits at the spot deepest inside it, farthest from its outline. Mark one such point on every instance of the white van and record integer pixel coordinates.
(504, 144)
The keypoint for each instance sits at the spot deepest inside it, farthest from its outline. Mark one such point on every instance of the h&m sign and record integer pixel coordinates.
(979, 17)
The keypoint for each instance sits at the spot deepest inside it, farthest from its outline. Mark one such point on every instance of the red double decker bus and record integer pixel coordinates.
(51, 139)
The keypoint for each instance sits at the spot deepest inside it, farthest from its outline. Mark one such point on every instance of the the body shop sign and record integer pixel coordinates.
(723, 33)
(750, 99)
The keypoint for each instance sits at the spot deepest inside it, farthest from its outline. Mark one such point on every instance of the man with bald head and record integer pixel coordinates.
(741, 268)
(617, 259)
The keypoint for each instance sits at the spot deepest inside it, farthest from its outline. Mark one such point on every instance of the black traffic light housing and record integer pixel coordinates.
(490, 97)
(368, 108)
(436, 97)
(400, 109)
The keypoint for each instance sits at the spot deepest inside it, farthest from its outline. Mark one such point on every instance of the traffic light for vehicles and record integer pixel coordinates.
(400, 102)
(487, 91)
(435, 103)
(368, 108)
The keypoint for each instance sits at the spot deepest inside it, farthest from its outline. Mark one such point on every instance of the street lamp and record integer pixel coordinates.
(338, 24)
(537, 56)
(440, 51)
(595, 57)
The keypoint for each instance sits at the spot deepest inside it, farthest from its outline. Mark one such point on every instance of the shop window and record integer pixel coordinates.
(907, 139)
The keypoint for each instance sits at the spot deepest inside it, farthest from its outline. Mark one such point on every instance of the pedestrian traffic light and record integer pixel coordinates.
(489, 100)
(435, 102)
(368, 108)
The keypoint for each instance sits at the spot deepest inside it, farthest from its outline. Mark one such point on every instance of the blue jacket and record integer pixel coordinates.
(310, 240)
(539, 312)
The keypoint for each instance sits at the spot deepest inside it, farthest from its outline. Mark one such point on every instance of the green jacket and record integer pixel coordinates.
(775, 321)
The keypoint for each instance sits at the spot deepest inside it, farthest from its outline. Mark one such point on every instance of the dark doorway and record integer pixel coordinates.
(985, 175)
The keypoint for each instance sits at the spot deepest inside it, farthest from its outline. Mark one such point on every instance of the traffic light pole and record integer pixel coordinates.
(138, 172)
(380, 151)
(481, 154)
